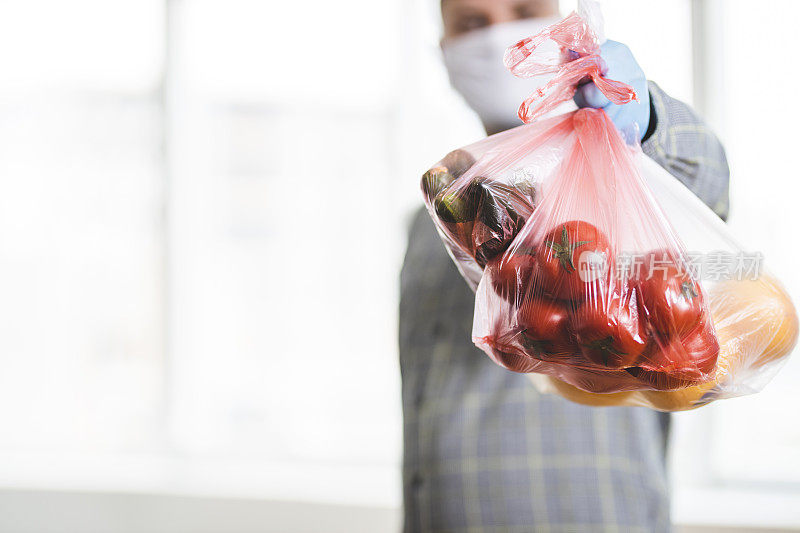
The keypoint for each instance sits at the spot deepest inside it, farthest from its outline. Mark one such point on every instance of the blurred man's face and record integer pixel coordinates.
(462, 16)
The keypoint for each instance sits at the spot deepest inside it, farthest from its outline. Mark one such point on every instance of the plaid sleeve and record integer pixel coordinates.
(685, 146)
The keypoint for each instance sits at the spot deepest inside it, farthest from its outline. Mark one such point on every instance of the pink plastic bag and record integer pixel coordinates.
(579, 274)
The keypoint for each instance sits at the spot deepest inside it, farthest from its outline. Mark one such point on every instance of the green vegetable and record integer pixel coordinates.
(435, 180)
(459, 205)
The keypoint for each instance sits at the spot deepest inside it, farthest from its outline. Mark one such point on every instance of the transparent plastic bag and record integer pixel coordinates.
(589, 260)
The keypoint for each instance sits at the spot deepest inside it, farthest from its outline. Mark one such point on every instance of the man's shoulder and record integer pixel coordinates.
(426, 262)
(423, 239)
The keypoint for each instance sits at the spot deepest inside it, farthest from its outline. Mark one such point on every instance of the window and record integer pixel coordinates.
(200, 200)
(752, 441)
(283, 269)
(81, 242)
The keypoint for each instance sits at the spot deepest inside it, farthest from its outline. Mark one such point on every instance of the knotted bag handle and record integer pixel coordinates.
(579, 59)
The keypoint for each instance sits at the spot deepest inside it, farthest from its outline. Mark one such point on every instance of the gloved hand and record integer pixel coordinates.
(620, 66)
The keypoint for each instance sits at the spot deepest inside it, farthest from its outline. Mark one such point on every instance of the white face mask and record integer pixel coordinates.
(474, 62)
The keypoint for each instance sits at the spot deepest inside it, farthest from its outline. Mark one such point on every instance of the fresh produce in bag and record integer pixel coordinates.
(587, 257)
(756, 327)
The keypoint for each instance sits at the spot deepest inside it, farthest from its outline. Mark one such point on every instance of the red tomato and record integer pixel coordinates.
(515, 362)
(511, 275)
(545, 330)
(542, 319)
(680, 363)
(671, 299)
(600, 381)
(609, 331)
(564, 352)
(661, 380)
(508, 356)
(565, 256)
(702, 347)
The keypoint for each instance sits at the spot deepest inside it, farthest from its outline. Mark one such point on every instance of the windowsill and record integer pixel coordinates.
(732, 506)
(363, 487)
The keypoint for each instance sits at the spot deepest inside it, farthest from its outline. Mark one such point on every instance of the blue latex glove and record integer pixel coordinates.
(620, 66)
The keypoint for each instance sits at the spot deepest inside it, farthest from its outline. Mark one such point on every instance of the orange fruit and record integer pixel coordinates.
(757, 317)
(574, 394)
(756, 323)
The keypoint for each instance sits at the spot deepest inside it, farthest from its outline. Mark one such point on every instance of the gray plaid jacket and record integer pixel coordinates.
(483, 450)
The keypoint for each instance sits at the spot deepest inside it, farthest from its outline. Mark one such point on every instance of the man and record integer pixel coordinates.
(483, 450)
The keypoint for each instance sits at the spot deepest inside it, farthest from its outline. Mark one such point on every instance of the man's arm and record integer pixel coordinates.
(672, 134)
(678, 140)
